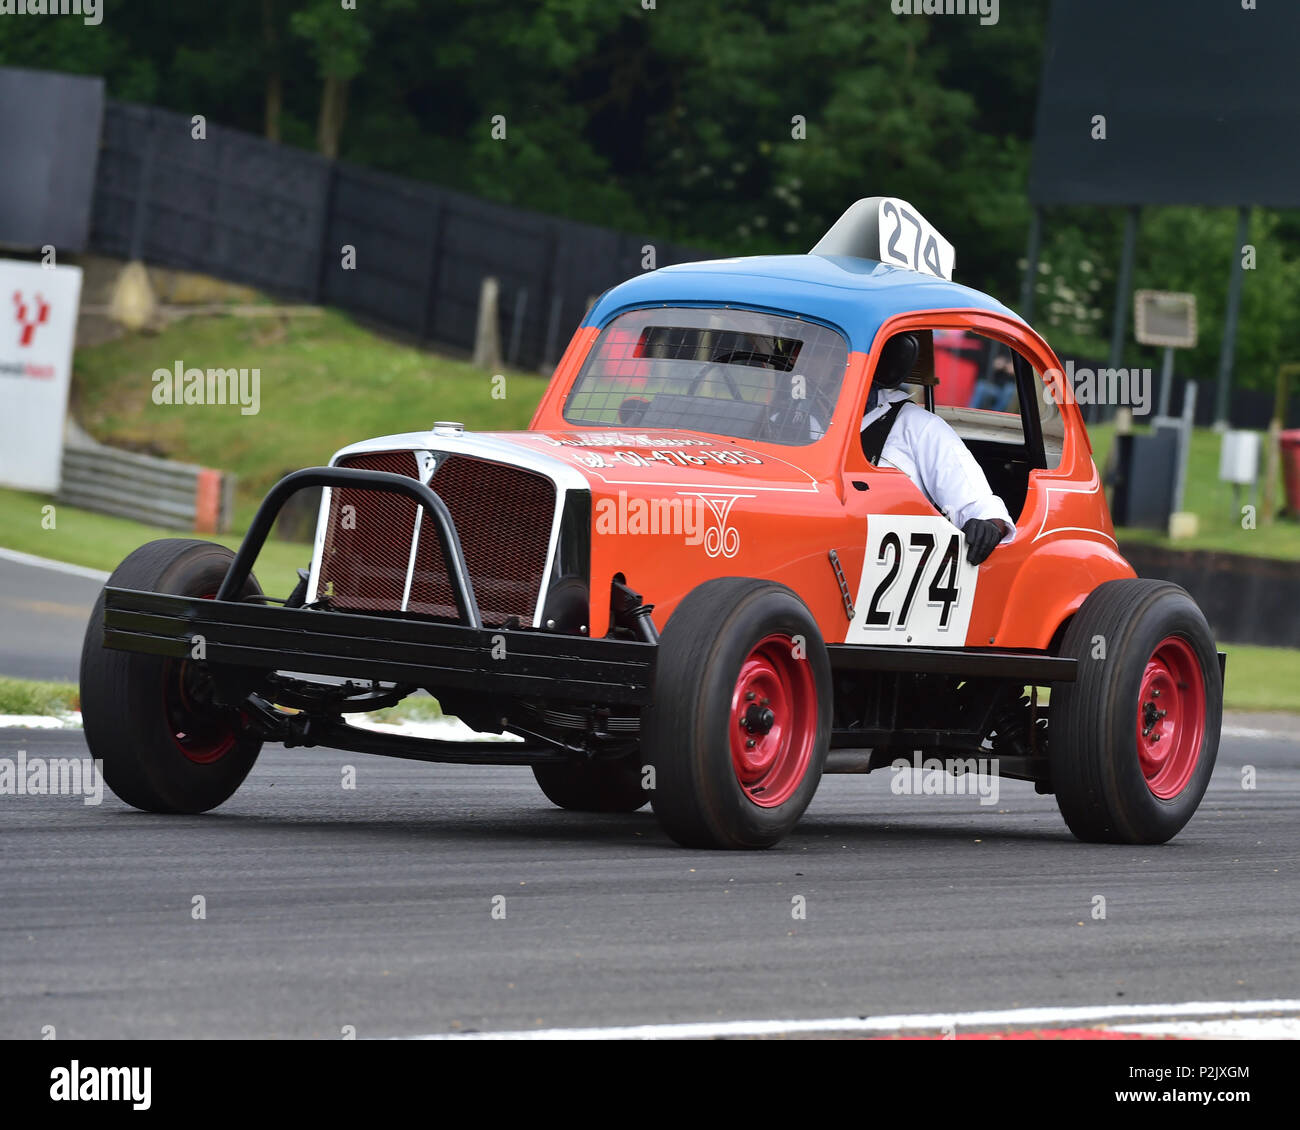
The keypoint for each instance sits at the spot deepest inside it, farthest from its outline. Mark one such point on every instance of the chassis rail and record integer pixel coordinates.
(975, 662)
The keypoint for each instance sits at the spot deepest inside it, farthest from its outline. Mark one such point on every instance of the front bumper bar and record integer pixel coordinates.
(499, 665)
(436, 656)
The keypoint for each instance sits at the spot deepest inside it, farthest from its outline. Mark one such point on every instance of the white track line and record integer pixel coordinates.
(1251, 733)
(31, 722)
(934, 1021)
(54, 566)
(1274, 1028)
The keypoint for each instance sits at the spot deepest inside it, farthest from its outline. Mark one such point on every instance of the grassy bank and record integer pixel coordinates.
(324, 382)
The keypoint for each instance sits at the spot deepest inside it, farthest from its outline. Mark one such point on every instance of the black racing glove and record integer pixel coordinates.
(981, 536)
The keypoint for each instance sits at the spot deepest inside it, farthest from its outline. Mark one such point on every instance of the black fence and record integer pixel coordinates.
(244, 209)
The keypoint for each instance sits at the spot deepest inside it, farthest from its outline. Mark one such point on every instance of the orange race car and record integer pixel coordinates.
(693, 581)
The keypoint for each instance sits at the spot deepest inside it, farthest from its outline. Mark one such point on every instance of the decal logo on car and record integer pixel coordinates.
(721, 539)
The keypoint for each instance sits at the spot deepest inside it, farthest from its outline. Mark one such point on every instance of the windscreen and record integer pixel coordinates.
(734, 373)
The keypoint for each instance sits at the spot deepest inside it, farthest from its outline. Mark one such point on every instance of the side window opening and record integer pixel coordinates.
(993, 399)
(986, 414)
(991, 394)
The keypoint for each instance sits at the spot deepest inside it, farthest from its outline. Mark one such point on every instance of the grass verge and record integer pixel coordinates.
(99, 541)
(1261, 678)
(26, 696)
(1218, 512)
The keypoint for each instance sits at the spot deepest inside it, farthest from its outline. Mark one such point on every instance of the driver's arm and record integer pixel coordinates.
(952, 478)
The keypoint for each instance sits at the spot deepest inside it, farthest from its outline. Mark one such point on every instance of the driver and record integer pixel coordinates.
(898, 433)
(791, 415)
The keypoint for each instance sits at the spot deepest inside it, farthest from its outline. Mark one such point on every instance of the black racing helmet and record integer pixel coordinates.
(897, 360)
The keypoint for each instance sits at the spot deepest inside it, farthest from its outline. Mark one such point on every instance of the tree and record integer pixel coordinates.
(272, 64)
(338, 35)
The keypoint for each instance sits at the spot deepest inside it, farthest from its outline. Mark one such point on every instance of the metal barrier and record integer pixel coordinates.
(178, 496)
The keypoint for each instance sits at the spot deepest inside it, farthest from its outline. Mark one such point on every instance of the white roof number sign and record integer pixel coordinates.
(908, 239)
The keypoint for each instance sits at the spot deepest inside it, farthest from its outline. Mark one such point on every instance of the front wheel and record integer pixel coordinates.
(166, 746)
(740, 727)
(1133, 741)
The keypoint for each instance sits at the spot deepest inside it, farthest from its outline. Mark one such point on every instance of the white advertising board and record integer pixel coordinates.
(38, 327)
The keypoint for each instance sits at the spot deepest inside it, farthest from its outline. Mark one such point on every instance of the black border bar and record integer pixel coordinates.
(975, 662)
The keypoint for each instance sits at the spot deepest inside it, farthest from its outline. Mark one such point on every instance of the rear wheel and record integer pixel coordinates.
(165, 744)
(740, 727)
(1133, 741)
(597, 786)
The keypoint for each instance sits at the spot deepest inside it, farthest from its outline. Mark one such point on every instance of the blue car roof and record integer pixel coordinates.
(855, 295)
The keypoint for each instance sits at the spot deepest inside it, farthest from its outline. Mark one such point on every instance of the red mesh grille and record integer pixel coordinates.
(503, 516)
(368, 548)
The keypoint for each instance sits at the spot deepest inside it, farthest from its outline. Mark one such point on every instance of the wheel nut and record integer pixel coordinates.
(750, 744)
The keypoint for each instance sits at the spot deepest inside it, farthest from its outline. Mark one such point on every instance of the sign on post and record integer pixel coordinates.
(1168, 318)
(38, 328)
(1165, 317)
(1239, 458)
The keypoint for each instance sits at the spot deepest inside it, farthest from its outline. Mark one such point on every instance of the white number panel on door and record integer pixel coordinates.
(917, 587)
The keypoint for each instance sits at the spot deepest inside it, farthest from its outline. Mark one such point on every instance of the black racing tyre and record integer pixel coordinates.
(165, 746)
(740, 725)
(598, 786)
(1133, 741)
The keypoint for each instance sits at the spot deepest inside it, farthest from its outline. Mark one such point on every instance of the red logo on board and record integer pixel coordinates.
(29, 317)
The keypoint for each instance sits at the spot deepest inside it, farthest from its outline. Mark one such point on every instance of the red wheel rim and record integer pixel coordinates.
(201, 730)
(773, 722)
(1171, 717)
